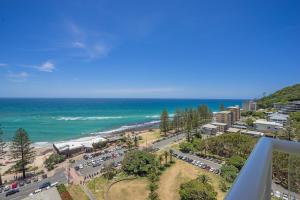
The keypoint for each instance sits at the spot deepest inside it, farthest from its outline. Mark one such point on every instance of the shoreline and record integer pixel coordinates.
(105, 134)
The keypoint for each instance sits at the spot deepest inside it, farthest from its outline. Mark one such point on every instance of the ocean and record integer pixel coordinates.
(49, 120)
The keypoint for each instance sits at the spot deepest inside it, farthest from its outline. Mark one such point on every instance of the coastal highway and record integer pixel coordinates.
(59, 177)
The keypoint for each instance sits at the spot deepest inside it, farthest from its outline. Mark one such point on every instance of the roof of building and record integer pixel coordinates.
(219, 124)
(86, 142)
(223, 112)
(233, 130)
(262, 121)
(209, 126)
(255, 133)
(278, 116)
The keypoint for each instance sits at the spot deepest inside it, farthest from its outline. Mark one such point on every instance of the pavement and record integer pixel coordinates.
(51, 194)
(25, 190)
(90, 170)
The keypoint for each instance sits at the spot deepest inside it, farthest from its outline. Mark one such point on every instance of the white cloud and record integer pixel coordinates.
(90, 44)
(47, 66)
(78, 45)
(17, 77)
(3, 65)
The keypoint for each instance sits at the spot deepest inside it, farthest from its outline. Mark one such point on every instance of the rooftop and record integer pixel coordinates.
(78, 143)
(278, 116)
(262, 121)
(209, 126)
(219, 124)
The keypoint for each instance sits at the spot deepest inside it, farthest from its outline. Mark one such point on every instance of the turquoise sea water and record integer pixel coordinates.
(48, 120)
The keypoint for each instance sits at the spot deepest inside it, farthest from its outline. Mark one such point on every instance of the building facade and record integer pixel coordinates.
(278, 118)
(224, 117)
(249, 106)
(209, 129)
(236, 114)
(266, 126)
(293, 106)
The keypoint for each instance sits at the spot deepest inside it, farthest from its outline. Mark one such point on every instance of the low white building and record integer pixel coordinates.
(209, 129)
(278, 117)
(252, 133)
(77, 145)
(263, 125)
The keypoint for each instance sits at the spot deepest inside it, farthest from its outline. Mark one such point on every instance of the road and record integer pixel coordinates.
(207, 162)
(60, 177)
(163, 143)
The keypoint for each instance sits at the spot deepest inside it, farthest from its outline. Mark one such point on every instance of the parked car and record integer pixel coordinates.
(21, 183)
(35, 179)
(44, 185)
(6, 188)
(54, 184)
(44, 176)
(27, 181)
(11, 192)
(14, 185)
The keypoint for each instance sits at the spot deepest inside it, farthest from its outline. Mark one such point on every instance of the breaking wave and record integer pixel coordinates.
(88, 118)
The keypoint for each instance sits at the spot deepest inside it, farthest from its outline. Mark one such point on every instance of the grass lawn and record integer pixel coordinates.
(98, 186)
(179, 173)
(149, 136)
(136, 189)
(77, 193)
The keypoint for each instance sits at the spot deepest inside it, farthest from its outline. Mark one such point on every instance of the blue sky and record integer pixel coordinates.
(159, 49)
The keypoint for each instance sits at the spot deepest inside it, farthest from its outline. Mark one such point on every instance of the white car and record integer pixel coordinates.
(54, 184)
(37, 191)
(277, 194)
(80, 166)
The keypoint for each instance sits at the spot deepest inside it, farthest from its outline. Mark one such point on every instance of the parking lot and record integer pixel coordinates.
(92, 165)
(209, 165)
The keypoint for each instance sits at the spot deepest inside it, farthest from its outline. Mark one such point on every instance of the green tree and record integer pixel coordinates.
(189, 124)
(186, 147)
(176, 120)
(229, 172)
(221, 107)
(250, 121)
(22, 150)
(171, 155)
(160, 158)
(164, 122)
(236, 161)
(203, 178)
(223, 186)
(196, 190)
(136, 141)
(139, 163)
(166, 154)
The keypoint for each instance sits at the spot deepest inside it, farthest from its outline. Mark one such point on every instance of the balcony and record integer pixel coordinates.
(255, 179)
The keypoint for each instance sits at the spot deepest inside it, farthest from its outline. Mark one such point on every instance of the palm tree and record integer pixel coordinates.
(171, 154)
(203, 178)
(166, 156)
(160, 158)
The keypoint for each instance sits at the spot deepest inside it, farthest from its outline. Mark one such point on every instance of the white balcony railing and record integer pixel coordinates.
(255, 179)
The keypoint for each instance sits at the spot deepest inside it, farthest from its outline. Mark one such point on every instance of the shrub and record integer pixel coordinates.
(186, 147)
(53, 160)
(195, 189)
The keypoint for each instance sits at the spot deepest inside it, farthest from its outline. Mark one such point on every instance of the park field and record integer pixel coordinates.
(179, 173)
